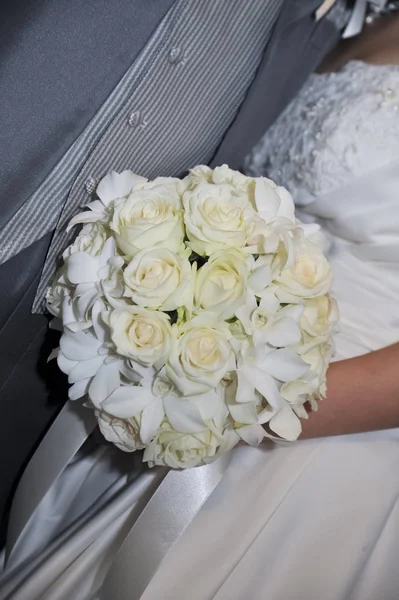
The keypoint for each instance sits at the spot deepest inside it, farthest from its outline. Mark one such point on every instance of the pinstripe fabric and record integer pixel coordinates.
(30, 223)
(184, 90)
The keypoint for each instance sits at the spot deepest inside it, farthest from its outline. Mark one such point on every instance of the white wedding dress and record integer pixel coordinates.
(317, 520)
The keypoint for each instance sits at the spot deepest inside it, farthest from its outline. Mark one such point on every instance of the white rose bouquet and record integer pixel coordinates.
(195, 313)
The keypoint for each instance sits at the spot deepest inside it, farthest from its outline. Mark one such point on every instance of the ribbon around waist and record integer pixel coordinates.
(164, 519)
(67, 434)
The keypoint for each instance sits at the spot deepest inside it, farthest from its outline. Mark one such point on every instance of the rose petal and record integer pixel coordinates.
(183, 415)
(265, 384)
(65, 364)
(251, 434)
(287, 206)
(286, 424)
(85, 369)
(87, 216)
(81, 268)
(106, 381)
(117, 185)
(244, 412)
(79, 389)
(128, 401)
(260, 278)
(283, 333)
(267, 199)
(151, 419)
(79, 346)
(208, 404)
(284, 365)
(245, 387)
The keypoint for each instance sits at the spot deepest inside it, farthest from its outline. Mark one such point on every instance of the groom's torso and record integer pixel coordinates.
(156, 86)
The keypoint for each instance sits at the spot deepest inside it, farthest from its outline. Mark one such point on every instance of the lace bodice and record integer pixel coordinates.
(340, 126)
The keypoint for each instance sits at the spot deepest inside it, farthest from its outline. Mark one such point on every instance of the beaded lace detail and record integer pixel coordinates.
(340, 126)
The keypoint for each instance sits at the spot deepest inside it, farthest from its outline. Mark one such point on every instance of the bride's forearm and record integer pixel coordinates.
(362, 395)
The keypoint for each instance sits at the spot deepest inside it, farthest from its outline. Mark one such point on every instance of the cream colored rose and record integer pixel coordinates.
(202, 356)
(310, 274)
(181, 450)
(222, 174)
(124, 433)
(140, 334)
(312, 385)
(220, 284)
(151, 216)
(199, 174)
(56, 294)
(91, 240)
(217, 217)
(319, 316)
(159, 278)
(273, 201)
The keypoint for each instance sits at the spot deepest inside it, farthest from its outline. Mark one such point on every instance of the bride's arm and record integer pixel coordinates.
(363, 395)
(377, 44)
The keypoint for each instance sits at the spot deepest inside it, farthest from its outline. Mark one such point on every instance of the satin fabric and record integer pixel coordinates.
(317, 519)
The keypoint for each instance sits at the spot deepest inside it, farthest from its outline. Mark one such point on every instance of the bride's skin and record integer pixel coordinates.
(363, 392)
(378, 44)
(362, 395)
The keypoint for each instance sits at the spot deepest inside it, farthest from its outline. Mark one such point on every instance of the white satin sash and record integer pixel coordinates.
(149, 535)
(66, 435)
(165, 518)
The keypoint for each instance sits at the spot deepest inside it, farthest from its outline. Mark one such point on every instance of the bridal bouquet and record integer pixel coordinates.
(195, 314)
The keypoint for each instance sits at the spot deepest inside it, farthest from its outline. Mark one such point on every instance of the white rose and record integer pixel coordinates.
(56, 293)
(181, 450)
(272, 201)
(140, 334)
(94, 277)
(222, 174)
(202, 356)
(124, 433)
(151, 216)
(81, 357)
(91, 239)
(159, 278)
(309, 276)
(82, 267)
(220, 284)
(185, 450)
(217, 216)
(277, 237)
(319, 316)
(275, 222)
(312, 384)
(199, 174)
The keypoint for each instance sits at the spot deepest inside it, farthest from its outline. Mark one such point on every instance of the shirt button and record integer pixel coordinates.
(90, 186)
(176, 55)
(134, 118)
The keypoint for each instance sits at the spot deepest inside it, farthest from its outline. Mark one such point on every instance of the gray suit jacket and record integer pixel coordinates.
(59, 60)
